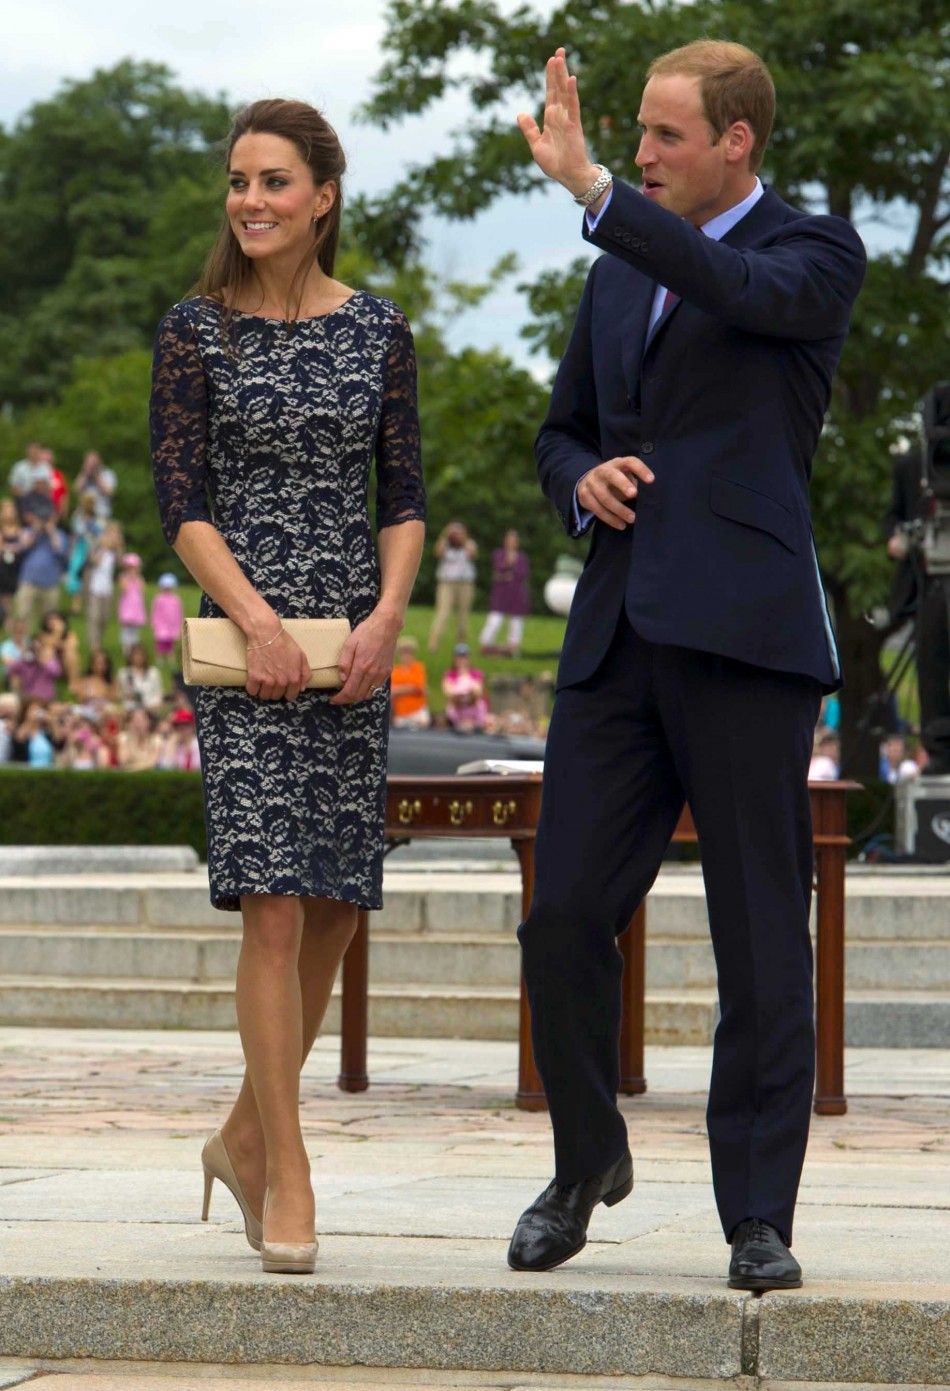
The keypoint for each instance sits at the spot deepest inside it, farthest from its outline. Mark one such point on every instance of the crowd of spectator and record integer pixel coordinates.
(897, 760)
(65, 576)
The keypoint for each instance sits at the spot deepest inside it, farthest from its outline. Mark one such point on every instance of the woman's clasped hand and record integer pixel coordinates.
(277, 669)
(367, 657)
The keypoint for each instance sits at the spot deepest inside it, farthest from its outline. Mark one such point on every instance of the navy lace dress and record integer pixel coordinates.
(268, 430)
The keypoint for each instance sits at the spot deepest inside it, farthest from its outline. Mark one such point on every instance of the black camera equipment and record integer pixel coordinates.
(935, 441)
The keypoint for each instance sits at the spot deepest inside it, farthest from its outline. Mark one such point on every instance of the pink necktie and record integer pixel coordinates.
(669, 299)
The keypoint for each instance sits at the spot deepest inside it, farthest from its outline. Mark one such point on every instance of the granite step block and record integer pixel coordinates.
(404, 958)
(484, 1012)
(417, 1319)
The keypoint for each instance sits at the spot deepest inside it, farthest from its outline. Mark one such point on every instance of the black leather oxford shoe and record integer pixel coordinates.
(554, 1227)
(761, 1260)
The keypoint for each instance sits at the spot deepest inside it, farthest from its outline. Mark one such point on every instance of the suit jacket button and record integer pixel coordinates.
(646, 447)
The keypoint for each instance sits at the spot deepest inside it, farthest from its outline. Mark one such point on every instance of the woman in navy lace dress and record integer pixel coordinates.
(274, 390)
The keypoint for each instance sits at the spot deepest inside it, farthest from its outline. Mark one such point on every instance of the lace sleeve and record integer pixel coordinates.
(400, 491)
(178, 418)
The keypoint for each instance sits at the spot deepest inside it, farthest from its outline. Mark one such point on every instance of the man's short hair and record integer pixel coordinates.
(734, 85)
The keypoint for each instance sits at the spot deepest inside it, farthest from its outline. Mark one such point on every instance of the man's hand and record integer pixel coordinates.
(560, 150)
(608, 489)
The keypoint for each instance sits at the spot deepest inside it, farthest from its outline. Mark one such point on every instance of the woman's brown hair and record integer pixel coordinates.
(227, 270)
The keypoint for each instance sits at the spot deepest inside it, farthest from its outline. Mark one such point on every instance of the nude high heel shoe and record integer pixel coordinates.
(287, 1257)
(217, 1165)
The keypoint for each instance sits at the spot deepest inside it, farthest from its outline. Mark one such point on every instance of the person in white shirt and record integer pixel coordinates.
(98, 480)
(825, 764)
(28, 471)
(896, 766)
(454, 581)
(100, 582)
(140, 683)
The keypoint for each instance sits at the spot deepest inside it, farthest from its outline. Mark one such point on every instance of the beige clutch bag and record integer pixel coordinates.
(214, 650)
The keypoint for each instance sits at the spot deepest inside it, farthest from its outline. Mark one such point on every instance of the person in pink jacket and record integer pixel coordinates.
(168, 615)
(131, 608)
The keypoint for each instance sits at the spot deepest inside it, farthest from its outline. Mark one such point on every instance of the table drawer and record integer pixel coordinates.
(462, 811)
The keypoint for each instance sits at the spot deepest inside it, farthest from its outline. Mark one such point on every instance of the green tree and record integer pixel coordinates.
(863, 131)
(110, 188)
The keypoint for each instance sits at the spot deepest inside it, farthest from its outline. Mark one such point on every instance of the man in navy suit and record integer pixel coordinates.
(681, 431)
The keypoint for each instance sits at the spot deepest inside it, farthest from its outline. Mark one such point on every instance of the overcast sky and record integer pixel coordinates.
(319, 52)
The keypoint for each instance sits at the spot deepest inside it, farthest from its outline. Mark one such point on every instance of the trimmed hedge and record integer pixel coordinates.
(59, 806)
(64, 806)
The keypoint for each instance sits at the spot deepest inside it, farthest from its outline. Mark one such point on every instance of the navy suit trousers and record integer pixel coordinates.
(655, 726)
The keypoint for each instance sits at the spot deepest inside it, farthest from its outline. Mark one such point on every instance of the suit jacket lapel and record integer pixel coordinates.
(766, 213)
(633, 328)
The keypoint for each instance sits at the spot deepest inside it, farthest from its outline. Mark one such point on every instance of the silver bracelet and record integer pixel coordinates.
(603, 181)
(254, 646)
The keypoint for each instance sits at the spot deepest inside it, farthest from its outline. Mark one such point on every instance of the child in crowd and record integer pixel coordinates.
(9, 719)
(65, 643)
(168, 615)
(139, 682)
(132, 616)
(31, 742)
(84, 745)
(11, 548)
(463, 685)
(825, 764)
(138, 743)
(34, 675)
(86, 528)
(97, 685)
(179, 747)
(100, 582)
(410, 707)
(14, 644)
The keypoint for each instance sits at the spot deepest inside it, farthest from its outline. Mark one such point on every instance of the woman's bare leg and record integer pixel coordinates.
(269, 1015)
(328, 929)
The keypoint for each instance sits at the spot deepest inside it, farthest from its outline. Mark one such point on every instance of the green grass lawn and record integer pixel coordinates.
(543, 636)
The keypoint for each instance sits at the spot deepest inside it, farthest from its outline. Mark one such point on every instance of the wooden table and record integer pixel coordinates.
(507, 807)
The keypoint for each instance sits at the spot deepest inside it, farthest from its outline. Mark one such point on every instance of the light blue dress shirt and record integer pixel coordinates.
(715, 228)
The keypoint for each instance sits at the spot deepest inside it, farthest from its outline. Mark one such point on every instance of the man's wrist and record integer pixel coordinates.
(578, 184)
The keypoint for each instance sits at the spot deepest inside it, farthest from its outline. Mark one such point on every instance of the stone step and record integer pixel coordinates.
(33, 861)
(411, 1011)
(450, 1305)
(910, 1019)
(889, 908)
(399, 958)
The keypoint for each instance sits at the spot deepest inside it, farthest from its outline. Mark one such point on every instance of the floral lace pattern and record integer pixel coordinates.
(269, 432)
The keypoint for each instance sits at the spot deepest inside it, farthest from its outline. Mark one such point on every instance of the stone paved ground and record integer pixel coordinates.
(100, 1133)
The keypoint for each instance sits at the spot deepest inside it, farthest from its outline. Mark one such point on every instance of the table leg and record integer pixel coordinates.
(353, 1076)
(829, 909)
(530, 1095)
(632, 1017)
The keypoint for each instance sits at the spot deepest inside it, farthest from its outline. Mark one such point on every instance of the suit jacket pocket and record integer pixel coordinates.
(749, 507)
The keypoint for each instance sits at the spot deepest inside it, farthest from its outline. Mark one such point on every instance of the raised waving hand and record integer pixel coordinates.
(560, 150)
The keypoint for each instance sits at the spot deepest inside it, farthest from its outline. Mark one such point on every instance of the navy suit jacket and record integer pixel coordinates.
(725, 401)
